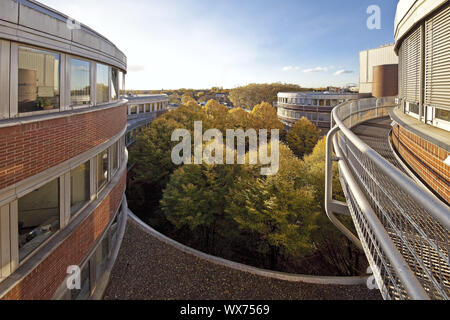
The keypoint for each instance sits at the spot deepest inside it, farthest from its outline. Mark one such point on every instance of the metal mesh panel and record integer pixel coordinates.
(421, 239)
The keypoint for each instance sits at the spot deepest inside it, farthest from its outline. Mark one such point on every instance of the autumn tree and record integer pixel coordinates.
(187, 97)
(264, 116)
(302, 137)
(239, 118)
(247, 97)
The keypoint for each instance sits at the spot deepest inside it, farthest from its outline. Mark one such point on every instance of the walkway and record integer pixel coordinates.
(422, 241)
(149, 268)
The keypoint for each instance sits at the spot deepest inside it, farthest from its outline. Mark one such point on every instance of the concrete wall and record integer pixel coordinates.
(385, 81)
(371, 58)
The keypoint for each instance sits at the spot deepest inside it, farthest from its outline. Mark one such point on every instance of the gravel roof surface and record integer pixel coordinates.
(149, 269)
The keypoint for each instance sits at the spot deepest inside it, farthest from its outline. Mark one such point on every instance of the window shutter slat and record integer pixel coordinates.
(437, 62)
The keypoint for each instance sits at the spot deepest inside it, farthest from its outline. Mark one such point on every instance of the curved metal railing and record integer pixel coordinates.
(402, 227)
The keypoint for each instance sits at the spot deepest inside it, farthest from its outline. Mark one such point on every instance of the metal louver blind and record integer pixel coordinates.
(400, 73)
(411, 66)
(437, 60)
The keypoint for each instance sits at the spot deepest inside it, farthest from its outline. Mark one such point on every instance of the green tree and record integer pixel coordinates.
(195, 198)
(275, 211)
(336, 251)
(302, 137)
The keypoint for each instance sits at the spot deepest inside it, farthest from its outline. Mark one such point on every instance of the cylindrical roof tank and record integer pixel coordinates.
(385, 80)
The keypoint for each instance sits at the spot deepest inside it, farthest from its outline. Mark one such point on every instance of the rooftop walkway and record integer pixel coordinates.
(422, 241)
(150, 266)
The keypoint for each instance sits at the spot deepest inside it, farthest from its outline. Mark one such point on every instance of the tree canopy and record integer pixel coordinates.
(302, 137)
(248, 96)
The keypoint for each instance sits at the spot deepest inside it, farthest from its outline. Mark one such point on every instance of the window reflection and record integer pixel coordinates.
(114, 83)
(121, 83)
(79, 187)
(115, 155)
(38, 216)
(38, 80)
(102, 169)
(102, 88)
(443, 114)
(80, 82)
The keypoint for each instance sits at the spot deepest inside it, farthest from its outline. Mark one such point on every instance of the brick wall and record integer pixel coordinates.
(28, 149)
(425, 158)
(45, 279)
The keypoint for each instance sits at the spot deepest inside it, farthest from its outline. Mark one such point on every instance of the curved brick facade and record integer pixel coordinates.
(50, 273)
(425, 158)
(63, 158)
(28, 149)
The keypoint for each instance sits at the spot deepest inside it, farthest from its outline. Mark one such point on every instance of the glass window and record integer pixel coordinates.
(141, 108)
(414, 108)
(115, 155)
(79, 187)
(38, 80)
(443, 114)
(147, 107)
(102, 91)
(114, 83)
(113, 229)
(38, 216)
(102, 169)
(121, 83)
(84, 292)
(101, 257)
(133, 109)
(80, 82)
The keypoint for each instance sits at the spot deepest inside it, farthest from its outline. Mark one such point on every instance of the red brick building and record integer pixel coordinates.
(62, 155)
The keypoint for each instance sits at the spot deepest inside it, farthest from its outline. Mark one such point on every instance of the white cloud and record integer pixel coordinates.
(287, 68)
(316, 69)
(343, 71)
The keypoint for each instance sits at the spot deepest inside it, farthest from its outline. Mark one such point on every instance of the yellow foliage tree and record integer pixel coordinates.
(264, 116)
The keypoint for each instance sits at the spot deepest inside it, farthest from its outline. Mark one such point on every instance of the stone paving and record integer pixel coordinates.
(150, 269)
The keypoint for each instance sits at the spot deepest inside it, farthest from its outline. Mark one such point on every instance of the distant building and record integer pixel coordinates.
(142, 110)
(378, 70)
(315, 106)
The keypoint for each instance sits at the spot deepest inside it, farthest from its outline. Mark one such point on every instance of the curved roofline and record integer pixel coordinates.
(311, 94)
(27, 26)
(410, 13)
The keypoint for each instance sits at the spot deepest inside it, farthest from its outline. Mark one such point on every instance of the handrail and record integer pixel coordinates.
(404, 272)
(329, 202)
(379, 238)
(423, 196)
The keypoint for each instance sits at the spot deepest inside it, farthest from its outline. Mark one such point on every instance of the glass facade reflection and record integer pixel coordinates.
(114, 83)
(38, 80)
(79, 187)
(102, 88)
(38, 217)
(80, 82)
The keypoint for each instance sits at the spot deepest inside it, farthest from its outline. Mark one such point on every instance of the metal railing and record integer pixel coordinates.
(402, 227)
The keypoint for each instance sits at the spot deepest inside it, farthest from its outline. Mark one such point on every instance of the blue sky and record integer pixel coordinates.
(199, 43)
